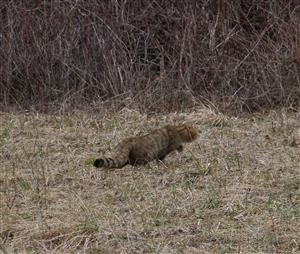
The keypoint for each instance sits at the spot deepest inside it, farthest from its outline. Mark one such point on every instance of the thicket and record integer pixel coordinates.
(167, 54)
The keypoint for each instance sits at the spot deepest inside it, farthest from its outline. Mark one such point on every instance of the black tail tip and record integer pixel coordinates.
(98, 163)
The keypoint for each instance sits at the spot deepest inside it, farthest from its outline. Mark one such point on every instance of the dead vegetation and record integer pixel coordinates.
(239, 55)
(235, 190)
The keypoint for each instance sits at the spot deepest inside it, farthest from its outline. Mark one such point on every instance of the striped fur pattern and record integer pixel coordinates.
(153, 146)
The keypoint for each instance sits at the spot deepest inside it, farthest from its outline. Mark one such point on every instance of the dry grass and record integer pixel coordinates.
(242, 56)
(235, 190)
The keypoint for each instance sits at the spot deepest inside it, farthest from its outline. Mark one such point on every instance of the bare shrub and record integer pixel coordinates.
(240, 55)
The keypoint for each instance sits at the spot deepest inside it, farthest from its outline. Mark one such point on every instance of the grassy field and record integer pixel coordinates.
(234, 190)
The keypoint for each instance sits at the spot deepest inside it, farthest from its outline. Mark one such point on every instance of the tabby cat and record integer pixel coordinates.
(153, 146)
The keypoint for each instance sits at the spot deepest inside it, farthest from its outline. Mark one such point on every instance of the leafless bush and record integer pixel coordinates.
(241, 55)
